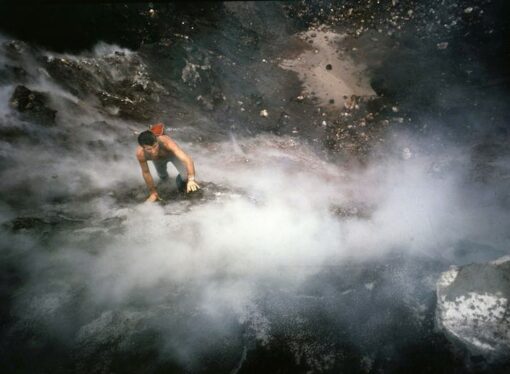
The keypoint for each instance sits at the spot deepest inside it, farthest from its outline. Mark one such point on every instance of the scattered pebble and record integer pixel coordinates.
(442, 45)
(329, 67)
(264, 113)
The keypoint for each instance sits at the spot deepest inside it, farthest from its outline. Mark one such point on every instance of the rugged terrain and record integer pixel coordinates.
(349, 152)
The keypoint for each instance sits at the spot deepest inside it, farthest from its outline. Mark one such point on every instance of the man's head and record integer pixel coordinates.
(147, 138)
(148, 142)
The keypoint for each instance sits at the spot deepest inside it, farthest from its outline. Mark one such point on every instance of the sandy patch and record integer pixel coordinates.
(327, 73)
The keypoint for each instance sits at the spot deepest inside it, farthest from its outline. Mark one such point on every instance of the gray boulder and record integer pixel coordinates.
(473, 308)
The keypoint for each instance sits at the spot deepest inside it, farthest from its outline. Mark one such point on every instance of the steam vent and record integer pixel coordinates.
(255, 187)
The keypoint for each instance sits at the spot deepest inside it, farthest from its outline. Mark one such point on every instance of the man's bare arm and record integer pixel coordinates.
(147, 176)
(170, 145)
(180, 154)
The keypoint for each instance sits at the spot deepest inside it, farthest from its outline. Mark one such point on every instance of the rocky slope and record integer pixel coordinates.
(349, 153)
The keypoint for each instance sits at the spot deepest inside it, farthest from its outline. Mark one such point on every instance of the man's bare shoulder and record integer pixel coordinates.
(168, 142)
(165, 138)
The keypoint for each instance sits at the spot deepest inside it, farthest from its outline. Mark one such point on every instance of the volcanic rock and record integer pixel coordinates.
(33, 105)
(473, 309)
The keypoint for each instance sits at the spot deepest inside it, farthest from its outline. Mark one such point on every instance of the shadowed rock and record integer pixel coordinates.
(120, 82)
(33, 105)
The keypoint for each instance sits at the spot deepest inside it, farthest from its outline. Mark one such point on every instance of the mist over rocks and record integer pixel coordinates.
(322, 227)
(117, 78)
(382, 37)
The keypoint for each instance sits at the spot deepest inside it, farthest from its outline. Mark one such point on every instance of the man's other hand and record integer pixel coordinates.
(192, 186)
(153, 197)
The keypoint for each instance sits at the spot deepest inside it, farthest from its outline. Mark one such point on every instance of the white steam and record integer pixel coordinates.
(272, 224)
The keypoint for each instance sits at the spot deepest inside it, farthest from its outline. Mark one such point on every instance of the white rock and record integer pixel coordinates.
(264, 113)
(448, 277)
(473, 308)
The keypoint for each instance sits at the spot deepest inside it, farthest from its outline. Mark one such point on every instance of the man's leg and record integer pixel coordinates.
(160, 166)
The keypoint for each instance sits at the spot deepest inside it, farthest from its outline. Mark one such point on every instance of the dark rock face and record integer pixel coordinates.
(12, 73)
(473, 309)
(74, 27)
(33, 105)
(120, 82)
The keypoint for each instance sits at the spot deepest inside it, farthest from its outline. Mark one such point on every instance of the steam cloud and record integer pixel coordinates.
(113, 266)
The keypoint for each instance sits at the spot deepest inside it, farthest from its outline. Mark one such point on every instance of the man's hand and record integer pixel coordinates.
(153, 197)
(192, 186)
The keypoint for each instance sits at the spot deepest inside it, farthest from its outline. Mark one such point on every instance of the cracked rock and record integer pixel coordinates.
(473, 308)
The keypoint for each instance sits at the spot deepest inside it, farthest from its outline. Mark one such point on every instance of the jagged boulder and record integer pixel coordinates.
(33, 105)
(118, 80)
(473, 309)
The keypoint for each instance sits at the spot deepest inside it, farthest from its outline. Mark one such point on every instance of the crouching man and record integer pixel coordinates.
(160, 150)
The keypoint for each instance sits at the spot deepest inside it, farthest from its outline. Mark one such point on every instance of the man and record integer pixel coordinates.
(160, 150)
